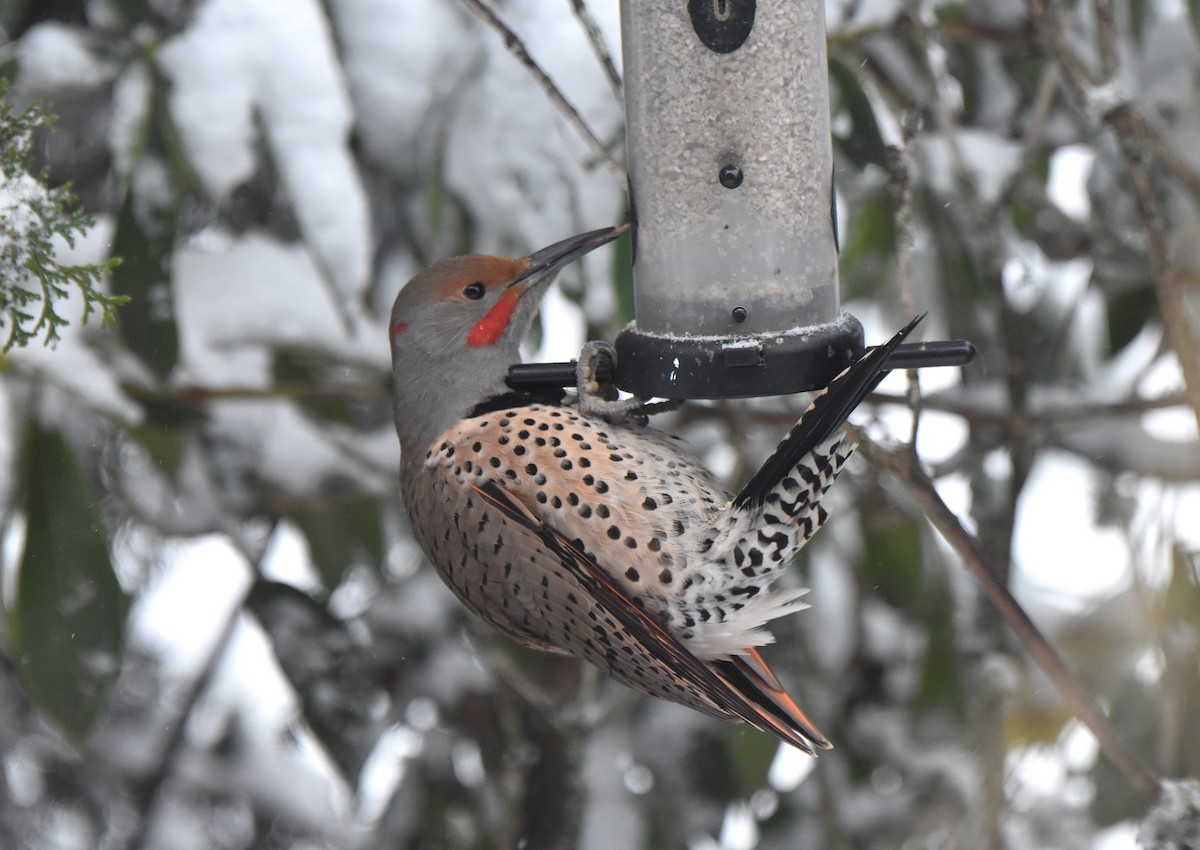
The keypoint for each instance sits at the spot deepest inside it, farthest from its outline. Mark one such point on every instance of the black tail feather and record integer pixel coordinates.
(826, 414)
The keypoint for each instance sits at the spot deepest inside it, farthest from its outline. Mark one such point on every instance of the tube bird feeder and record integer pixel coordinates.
(731, 197)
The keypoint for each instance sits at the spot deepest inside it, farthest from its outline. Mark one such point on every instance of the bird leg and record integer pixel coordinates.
(600, 398)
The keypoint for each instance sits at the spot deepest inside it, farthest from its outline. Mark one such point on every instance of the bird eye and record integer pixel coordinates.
(475, 290)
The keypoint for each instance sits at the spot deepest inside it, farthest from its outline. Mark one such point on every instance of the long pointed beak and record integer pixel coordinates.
(548, 261)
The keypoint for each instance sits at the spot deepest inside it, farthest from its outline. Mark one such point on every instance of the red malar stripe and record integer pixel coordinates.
(492, 326)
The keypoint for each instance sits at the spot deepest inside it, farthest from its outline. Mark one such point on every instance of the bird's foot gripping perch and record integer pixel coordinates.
(599, 397)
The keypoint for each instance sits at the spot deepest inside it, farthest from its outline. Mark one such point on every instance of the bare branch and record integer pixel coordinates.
(599, 47)
(1135, 139)
(1081, 703)
(517, 48)
(148, 791)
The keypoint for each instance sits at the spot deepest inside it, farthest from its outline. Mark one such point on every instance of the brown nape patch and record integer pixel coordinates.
(452, 276)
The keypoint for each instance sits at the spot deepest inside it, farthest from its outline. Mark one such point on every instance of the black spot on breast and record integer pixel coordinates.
(603, 512)
(665, 577)
(531, 468)
(614, 533)
(630, 542)
(572, 499)
(495, 462)
(649, 504)
(632, 574)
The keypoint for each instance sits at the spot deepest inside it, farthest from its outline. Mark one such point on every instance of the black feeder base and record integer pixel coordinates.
(682, 367)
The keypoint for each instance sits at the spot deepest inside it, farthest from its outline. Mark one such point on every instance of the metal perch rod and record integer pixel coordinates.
(914, 355)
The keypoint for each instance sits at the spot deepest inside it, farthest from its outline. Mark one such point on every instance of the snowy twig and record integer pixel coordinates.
(34, 219)
(599, 47)
(1041, 413)
(949, 27)
(1080, 702)
(195, 396)
(900, 188)
(149, 789)
(517, 48)
(1136, 139)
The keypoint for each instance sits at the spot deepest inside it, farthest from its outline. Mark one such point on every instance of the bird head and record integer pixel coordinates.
(457, 326)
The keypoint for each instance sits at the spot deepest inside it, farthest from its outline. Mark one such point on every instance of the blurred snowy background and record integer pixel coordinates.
(219, 633)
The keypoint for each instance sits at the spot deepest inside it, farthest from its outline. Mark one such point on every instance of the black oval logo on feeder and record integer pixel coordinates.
(723, 25)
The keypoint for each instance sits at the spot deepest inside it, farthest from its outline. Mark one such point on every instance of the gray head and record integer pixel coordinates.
(456, 328)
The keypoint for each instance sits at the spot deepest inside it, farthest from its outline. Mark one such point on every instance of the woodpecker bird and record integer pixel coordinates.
(594, 538)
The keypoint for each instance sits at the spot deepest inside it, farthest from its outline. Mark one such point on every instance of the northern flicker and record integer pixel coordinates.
(600, 539)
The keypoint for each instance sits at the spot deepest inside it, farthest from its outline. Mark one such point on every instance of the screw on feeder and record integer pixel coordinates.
(731, 176)
(739, 314)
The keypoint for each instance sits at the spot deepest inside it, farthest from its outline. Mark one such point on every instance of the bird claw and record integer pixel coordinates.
(600, 399)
